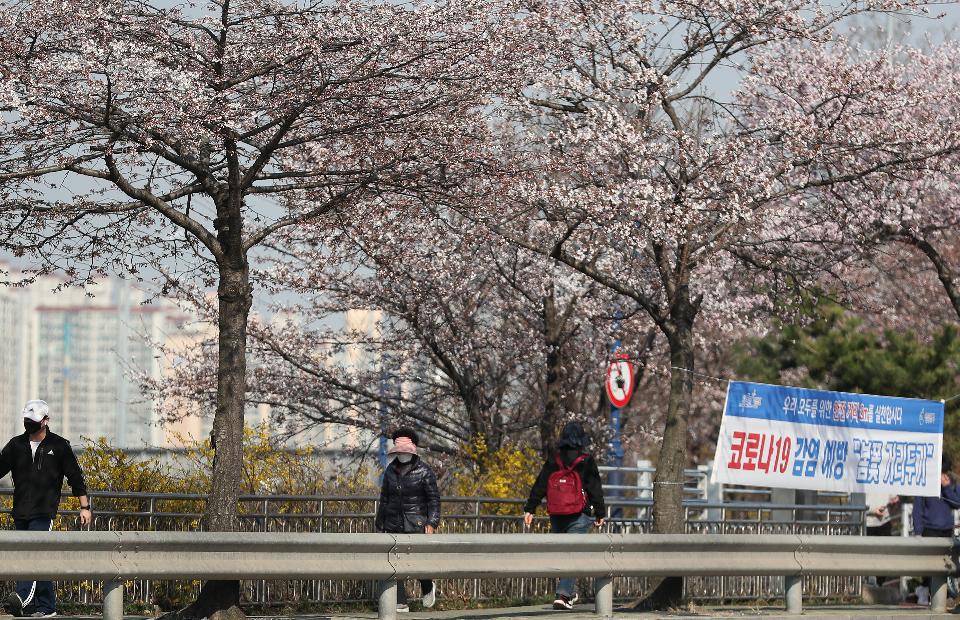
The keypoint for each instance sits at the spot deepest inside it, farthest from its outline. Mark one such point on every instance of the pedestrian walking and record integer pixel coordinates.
(933, 517)
(878, 520)
(39, 460)
(409, 502)
(570, 481)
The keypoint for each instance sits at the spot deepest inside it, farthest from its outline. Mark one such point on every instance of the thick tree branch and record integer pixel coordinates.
(172, 214)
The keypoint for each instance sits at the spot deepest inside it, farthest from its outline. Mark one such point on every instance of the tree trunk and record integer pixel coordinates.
(552, 397)
(668, 481)
(668, 513)
(227, 438)
(234, 297)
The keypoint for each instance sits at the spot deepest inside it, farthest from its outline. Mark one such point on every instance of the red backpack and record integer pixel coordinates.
(565, 494)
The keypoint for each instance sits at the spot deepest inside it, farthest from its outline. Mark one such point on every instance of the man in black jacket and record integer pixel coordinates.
(38, 461)
(571, 446)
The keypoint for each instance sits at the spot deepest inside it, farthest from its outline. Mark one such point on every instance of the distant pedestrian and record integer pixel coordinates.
(409, 502)
(39, 460)
(933, 517)
(570, 480)
(878, 520)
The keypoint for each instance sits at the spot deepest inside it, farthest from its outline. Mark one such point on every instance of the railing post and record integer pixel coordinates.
(603, 596)
(112, 600)
(387, 606)
(938, 594)
(793, 593)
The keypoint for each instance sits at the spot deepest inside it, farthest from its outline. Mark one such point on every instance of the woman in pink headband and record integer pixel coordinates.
(409, 502)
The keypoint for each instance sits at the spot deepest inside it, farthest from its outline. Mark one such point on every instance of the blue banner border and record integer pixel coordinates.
(764, 401)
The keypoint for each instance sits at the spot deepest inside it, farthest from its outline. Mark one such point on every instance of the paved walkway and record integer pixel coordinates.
(585, 612)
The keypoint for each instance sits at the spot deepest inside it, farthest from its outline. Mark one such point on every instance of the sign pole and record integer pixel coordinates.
(616, 446)
(384, 411)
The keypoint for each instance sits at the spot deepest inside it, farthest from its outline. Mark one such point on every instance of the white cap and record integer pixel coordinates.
(36, 410)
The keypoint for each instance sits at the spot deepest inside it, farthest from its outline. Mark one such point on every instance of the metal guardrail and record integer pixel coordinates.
(461, 515)
(119, 556)
(152, 511)
(464, 507)
(642, 477)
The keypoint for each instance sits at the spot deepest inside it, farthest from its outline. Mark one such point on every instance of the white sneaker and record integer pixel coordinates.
(923, 595)
(565, 602)
(402, 609)
(430, 597)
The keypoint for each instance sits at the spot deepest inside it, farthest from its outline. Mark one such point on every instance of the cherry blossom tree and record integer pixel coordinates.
(708, 209)
(915, 249)
(197, 139)
(464, 336)
(478, 339)
(907, 224)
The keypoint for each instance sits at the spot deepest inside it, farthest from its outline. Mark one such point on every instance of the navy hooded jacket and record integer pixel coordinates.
(936, 512)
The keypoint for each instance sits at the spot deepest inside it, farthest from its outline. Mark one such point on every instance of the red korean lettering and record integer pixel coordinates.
(768, 457)
(784, 460)
(736, 450)
(752, 451)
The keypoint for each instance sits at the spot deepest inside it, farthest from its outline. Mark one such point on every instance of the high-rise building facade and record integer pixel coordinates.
(83, 354)
(13, 356)
(357, 358)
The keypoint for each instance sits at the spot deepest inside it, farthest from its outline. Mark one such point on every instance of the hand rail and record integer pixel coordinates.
(612, 501)
(121, 555)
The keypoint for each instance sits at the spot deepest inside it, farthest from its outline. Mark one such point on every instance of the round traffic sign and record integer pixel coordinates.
(619, 382)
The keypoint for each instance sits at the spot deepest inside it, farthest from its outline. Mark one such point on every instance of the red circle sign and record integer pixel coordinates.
(619, 382)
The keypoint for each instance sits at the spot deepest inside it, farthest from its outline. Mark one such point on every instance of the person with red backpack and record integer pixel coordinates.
(571, 483)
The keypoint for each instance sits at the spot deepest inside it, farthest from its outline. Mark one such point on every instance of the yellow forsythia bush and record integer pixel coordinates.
(268, 469)
(507, 472)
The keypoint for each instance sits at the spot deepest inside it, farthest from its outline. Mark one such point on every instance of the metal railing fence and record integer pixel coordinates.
(793, 560)
(125, 511)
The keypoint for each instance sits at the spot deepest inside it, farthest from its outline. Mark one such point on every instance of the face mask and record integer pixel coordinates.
(404, 458)
(30, 426)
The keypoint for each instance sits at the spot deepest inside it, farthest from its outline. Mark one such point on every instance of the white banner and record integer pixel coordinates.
(777, 436)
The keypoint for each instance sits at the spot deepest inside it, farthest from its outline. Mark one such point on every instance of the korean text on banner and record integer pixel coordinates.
(777, 436)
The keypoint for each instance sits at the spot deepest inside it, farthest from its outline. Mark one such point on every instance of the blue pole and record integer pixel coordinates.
(383, 438)
(616, 445)
(384, 412)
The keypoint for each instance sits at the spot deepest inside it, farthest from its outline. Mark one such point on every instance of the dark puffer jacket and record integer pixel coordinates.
(409, 494)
